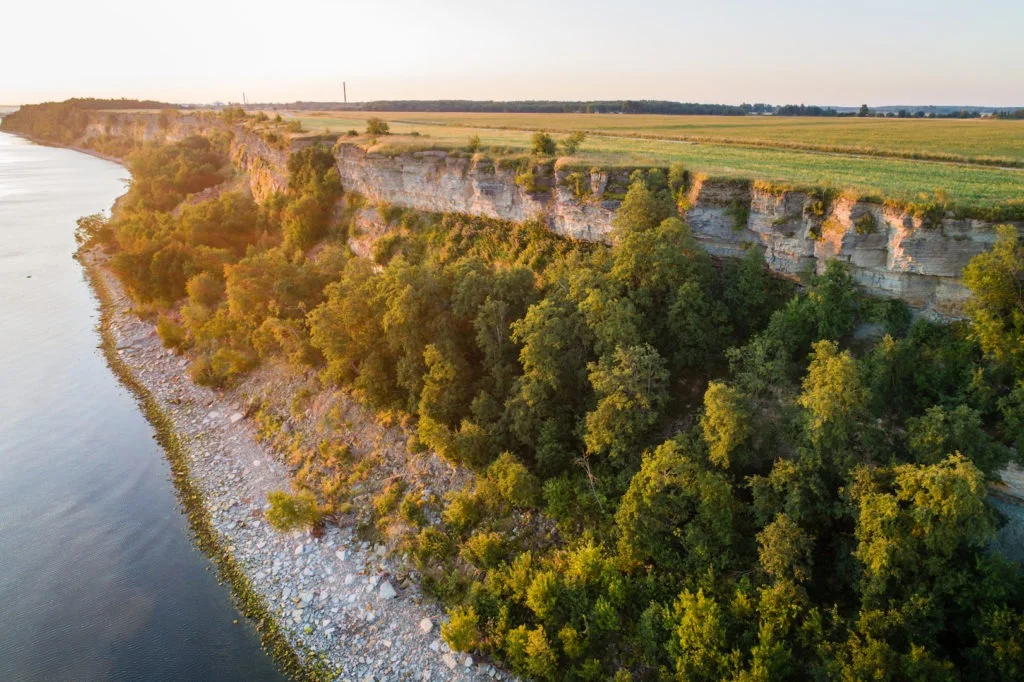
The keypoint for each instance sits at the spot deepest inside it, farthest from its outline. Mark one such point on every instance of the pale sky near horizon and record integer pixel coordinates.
(912, 52)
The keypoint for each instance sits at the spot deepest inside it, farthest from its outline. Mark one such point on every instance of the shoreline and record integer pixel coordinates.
(325, 608)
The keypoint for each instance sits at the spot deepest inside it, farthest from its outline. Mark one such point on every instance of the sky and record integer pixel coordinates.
(912, 52)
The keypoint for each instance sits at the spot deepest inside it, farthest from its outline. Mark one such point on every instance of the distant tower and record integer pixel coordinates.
(344, 91)
(244, 103)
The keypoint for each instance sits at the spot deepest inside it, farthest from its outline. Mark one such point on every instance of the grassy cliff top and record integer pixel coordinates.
(977, 164)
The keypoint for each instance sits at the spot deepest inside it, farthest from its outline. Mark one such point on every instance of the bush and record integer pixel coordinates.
(528, 180)
(377, 126)
(514, 481)
(572, 144)
(483, 549)
(866, 224)
(739, 211)
(289, 512)
(171, 333)
(579, 183)
(542, 144)
(462, 631)
(463, 510)
(474, 144)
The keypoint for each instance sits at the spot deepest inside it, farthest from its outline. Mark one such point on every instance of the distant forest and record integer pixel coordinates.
(640, 107)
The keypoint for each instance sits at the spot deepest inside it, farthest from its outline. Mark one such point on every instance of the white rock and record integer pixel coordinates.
(435, 645)
(468, 662)
(387, 590)
(236, 417)
(449, 661)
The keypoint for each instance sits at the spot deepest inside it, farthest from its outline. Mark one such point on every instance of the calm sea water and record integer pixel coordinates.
(98, 577)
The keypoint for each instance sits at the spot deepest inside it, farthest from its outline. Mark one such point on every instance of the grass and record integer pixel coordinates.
(996, 142)
(969, 185)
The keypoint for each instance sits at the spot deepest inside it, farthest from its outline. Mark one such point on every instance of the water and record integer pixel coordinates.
(98, 577)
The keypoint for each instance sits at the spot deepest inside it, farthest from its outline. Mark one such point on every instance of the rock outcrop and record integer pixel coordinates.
(891, 253)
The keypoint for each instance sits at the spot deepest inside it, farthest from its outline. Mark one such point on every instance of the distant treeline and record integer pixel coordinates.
(536, 107)
(638, 107)
(95, 103)
(64, 122)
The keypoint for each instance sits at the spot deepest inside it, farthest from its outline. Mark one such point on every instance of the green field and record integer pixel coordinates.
(973, 140)
(758, 148)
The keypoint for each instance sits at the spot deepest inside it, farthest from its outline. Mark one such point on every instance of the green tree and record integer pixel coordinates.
(377, 126)
(631, 388)
(942, 431)
(910, 529)
(726, 422)
(785, 550)
(677, 515)
(996, 278)
(550, 394)
(700, 643)
(641, 209)
(542, 144)
(833, 395)
(572, 143)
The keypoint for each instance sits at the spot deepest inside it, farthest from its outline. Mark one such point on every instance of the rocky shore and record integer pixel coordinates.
(337, 600)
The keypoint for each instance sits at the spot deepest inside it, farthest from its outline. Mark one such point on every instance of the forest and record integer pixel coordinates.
(64, 122)
(684, 469)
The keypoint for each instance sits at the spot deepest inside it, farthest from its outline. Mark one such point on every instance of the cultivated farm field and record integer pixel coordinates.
(899, 159)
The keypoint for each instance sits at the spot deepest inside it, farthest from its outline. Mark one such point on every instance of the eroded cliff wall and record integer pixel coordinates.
(890, 252)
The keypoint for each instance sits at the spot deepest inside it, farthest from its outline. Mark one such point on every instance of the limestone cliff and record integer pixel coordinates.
(890, 252)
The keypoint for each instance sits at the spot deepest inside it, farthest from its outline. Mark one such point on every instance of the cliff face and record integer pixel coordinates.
(890, 252)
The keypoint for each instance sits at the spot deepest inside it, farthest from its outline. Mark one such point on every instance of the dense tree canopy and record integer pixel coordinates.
(682, 469)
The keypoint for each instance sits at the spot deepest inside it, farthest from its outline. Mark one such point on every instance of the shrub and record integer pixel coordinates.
(289, 512)
(528, 180)
(483, 549)
(572, 144)
(542, 144)
(866, 224)
(739, 211)
(294, 127)
(377, 126)
(463, 510)
(579, 183)
(387, 501)
(170, 332)
(514, 481)
(386, 248)
(462, 631)
(411, 509)
(679, 179)
(474, 144)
